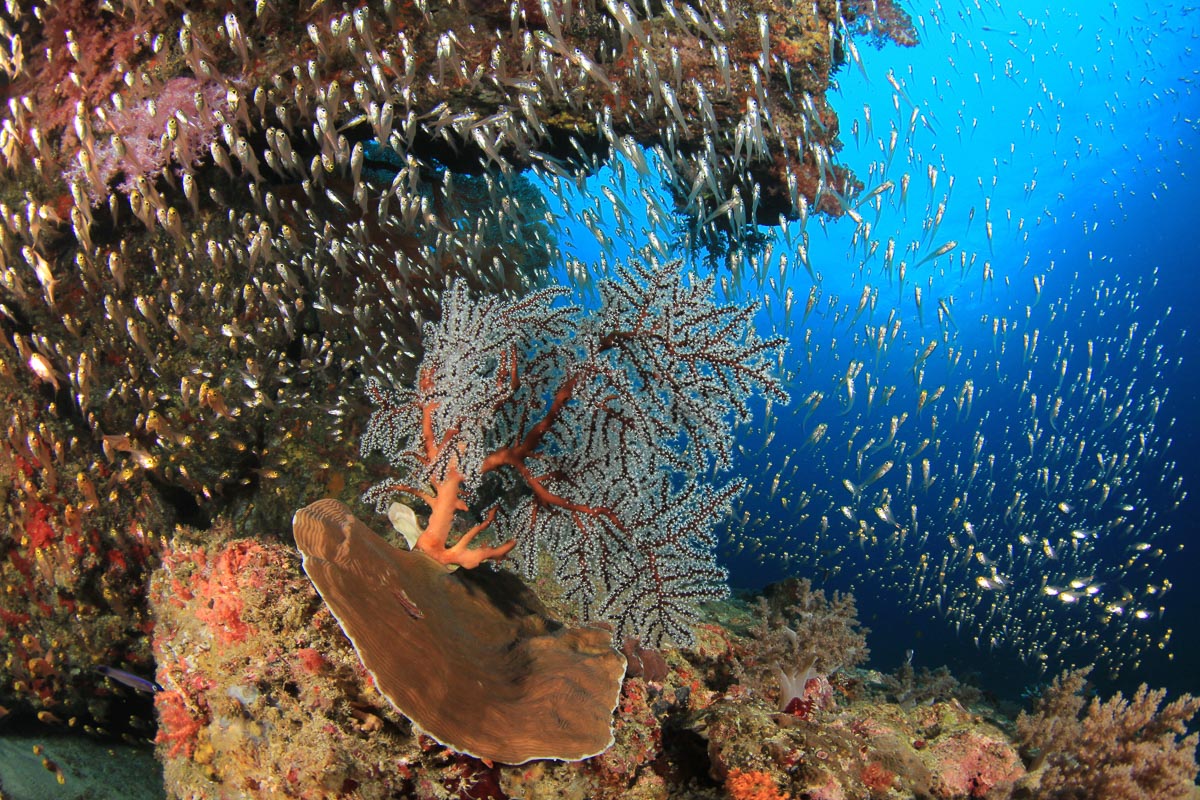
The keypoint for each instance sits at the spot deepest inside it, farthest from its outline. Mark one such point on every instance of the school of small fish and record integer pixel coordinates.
(1005, 466)
(981, 422)
(1016, 490)
(976, 428)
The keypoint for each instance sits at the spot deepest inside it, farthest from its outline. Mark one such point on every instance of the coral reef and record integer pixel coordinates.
(1117, 749)
(752, 785)
(264, 696)
(975, 764)
(911, 687)
(215, 220)
(77, 545)
(173, 329)
(262, 691)
(881, 20)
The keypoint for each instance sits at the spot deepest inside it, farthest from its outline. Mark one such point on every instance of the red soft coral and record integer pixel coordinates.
(177, 725)
(233, 569)
(107, 43)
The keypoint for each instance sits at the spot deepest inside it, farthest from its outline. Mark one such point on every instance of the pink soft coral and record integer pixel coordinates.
(191, 108)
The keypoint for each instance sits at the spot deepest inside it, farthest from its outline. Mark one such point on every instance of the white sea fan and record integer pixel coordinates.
(608, 420)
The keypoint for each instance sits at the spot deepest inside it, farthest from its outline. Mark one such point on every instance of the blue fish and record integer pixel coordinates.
(129, 679)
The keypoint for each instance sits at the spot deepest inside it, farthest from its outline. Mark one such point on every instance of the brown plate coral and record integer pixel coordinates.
(469, 656)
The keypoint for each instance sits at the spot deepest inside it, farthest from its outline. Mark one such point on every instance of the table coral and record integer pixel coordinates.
(482, 669)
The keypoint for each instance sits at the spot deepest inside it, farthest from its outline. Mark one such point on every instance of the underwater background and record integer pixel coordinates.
(980, 257)
(1069, 130)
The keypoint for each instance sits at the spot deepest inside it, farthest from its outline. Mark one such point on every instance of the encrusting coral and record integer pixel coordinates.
(750, 785)
(260, 690)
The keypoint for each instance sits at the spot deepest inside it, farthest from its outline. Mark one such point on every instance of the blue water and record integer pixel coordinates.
(1072, 128)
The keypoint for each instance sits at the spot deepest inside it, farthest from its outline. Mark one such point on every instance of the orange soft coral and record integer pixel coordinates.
(178, 723)
(744, 784)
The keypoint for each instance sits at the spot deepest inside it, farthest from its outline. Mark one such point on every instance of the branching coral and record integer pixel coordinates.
(803, 637)
(600, 423)
(913, 687)
(1116, 749)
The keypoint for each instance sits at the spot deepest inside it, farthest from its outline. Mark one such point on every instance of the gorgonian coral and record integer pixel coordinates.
(596, 427)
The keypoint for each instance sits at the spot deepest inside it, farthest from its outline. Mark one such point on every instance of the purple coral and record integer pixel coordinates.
(177, 125)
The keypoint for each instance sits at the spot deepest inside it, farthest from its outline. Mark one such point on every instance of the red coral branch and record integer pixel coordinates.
(446, 498)
(177, 726)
